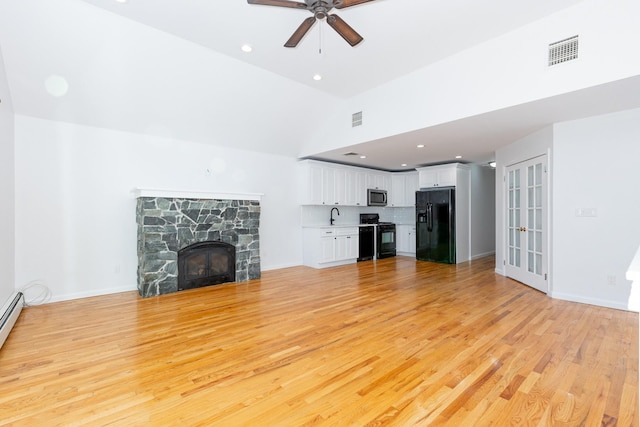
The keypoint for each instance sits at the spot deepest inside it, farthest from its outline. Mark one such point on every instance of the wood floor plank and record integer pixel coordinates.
(393, 342)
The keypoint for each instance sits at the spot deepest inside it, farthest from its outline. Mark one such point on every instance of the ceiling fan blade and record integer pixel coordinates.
(300, 32)
(342, 28)
(349, 3)
(281, 3)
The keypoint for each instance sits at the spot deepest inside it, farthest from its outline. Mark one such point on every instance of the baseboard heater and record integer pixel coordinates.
(12, 310)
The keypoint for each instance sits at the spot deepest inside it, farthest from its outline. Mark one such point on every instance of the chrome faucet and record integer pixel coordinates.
(337, 210)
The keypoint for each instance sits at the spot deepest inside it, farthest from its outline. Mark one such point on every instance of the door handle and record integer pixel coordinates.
(522, 229)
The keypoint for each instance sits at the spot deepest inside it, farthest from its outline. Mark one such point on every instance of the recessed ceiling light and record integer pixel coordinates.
(317, 77)
(363, 157)
(56, 85)
(246, 48)
(403, 165)
(122, 1)
(458, 157)
(420, 146)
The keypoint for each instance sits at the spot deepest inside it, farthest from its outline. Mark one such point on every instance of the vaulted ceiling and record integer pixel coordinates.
(176, 69)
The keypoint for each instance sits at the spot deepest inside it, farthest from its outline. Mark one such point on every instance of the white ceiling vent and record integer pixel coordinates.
(356, 119)
(563, 51)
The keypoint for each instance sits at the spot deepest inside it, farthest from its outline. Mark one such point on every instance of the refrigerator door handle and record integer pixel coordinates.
(429, 217)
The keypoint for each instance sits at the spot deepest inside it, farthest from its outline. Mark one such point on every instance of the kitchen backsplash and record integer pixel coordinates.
(350, 215)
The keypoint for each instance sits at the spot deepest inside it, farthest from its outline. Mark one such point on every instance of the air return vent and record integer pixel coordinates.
(563, 51)
(356, 119)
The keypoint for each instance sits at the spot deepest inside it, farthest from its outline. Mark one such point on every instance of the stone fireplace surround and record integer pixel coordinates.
(170, 221)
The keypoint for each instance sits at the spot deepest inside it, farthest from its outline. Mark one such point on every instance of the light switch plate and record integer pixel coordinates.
(586, 212)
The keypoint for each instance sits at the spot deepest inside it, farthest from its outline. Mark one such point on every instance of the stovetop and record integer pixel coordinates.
(373, 219)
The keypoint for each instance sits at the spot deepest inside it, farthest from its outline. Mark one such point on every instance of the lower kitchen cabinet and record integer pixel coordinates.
(406, 239)
(329, 246)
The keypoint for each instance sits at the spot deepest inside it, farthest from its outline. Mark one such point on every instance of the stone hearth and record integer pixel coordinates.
(166, 225)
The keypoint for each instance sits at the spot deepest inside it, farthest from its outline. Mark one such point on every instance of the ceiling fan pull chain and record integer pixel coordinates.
(320, 39)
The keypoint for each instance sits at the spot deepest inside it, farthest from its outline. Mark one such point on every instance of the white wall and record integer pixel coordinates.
(595, 165)
(75, 224)
(7, 191)
(508, 70)
(483, 211)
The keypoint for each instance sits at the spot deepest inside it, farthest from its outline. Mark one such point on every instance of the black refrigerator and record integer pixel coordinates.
(435, 225)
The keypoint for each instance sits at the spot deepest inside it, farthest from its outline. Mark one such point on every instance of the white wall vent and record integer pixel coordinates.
(563, 51)
(356, 119)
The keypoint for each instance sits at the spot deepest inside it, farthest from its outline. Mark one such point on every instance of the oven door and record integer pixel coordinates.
(386, 240)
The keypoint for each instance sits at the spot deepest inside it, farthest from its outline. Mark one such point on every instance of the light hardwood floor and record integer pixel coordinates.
(392, 342)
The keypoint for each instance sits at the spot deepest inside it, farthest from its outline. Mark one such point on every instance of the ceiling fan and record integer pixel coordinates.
(320, 10)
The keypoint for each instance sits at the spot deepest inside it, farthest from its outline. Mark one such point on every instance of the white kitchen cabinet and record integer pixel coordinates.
(437, 176)
(322, 183)
(379, 180)
(410, 188)
(403, 189)
(329, 196)
(396, 195)
(346, 247)
(360, 187)
(330, 246)
(331, 185)
(406, 239)
(310, 183)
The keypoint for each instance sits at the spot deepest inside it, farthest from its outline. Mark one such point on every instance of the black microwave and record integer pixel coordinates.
(376, 197)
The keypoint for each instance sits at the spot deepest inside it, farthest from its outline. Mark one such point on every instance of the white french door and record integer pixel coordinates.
(526, 220)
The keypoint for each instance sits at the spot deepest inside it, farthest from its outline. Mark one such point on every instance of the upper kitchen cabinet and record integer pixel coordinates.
(311, 183)
(439, 176)
(328, 184)
(403, 189)
(358, 195)
(379, 180)
(322, 183)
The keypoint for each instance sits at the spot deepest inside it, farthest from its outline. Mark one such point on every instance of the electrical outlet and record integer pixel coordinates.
(611, 280)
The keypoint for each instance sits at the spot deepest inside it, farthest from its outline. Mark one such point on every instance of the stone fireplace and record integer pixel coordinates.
(168, 226)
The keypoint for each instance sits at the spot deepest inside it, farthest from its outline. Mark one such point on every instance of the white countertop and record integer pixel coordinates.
(338, 225)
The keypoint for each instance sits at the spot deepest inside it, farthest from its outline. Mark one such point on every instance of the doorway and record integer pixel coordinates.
(527, 252)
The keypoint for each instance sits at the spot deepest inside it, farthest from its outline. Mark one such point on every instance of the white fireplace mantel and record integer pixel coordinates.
(179, 194)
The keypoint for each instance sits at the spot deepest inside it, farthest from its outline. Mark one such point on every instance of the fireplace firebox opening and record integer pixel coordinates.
(206, 263)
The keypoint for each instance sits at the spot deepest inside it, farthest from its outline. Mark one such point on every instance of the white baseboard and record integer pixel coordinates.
(279, 266)
(482, 255)
(591, 301)
(92, 293)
